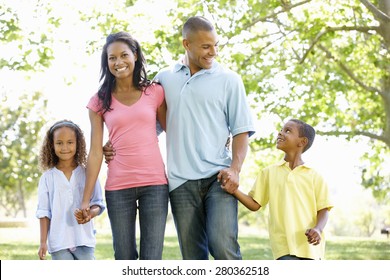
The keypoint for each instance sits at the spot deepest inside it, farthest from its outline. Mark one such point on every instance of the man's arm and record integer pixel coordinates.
(229, 177)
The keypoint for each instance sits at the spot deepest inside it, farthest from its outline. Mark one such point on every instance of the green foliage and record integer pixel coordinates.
(323, 61)
(32, 37)
(19, 140)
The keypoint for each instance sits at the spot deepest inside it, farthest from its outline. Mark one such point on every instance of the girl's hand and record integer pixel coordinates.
(42, 251)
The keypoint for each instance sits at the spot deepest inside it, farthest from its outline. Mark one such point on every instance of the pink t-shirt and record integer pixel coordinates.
(132, 132)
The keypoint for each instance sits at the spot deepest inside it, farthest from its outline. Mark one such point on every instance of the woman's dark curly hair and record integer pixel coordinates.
(140, 79)
(47, 156)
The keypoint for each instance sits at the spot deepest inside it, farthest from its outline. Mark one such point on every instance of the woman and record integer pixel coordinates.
(129, 105)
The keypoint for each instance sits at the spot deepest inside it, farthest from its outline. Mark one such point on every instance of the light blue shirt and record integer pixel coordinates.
(58, 198)
(203, 110)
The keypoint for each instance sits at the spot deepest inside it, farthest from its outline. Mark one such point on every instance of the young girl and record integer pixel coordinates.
(60, 191)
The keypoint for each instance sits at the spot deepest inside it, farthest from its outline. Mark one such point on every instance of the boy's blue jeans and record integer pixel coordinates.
(122, 209)
(206, 220)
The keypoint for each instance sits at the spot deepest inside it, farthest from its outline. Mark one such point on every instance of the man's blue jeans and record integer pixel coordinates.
(122, 212)
(206, 220)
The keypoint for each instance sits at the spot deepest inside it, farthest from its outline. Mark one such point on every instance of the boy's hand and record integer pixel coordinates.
(313, 236)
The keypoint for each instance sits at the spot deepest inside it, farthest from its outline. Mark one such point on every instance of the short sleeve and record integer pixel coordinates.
(94, 104)
(260, 189)
(238, 111)
(323, 198)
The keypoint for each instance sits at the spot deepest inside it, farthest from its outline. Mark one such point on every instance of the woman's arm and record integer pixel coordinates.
(95, 157)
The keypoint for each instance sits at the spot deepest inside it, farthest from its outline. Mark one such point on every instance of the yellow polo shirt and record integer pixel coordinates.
(293, 198)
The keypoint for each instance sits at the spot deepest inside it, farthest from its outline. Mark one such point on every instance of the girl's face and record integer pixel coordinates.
(121, 60)
(65, 143)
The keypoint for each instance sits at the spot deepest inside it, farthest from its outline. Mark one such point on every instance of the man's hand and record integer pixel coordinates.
(109, 152)
(229, 179)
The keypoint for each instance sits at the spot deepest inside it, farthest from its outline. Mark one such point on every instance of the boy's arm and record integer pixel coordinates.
(314, 234)
(247, 200)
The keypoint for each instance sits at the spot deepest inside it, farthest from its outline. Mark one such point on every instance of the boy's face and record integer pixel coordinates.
(288, 138)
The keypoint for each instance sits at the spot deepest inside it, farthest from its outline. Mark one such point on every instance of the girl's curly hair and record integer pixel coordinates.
(47, 156)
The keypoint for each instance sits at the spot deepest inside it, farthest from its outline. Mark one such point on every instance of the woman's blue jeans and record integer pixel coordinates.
(152, 205)
(206, 220)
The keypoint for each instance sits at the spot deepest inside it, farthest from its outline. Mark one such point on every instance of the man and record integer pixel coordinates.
(206, 103)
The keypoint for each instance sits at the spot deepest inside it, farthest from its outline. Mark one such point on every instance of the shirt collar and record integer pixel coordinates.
(283, 162)
(180, 65)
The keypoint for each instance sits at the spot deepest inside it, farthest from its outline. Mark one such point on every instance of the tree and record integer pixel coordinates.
(34, 42)
(19, 145)
(326, 62)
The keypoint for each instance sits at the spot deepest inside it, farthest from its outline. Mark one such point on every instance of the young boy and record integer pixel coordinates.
(297, 195)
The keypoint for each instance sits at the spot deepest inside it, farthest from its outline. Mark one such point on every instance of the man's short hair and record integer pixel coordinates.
(195, 24)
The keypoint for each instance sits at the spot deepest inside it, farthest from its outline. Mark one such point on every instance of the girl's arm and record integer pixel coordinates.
(94, 161)
(95, 210)
(247, 200)
(44, 229)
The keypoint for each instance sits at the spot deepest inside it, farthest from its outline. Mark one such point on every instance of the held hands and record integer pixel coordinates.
(229, 179)
(83, 216)
(313, 236)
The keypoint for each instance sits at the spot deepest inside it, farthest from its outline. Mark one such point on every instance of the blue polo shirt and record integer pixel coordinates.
(203, 110)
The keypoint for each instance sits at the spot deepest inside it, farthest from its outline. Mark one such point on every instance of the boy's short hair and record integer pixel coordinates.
(307, 131)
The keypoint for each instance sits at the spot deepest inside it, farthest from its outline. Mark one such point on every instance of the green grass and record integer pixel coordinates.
(17, 244)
